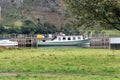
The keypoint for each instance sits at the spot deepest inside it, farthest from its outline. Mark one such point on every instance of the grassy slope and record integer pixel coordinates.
(62, 64)
(113, 33)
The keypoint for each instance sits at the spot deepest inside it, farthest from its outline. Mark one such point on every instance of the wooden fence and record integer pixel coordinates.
(25, 41)
(100, 41)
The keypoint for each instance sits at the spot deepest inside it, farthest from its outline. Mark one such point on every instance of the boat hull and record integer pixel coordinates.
(8, 43)
(80, 43)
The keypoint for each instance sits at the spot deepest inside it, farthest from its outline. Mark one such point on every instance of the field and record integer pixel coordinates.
(59, 64)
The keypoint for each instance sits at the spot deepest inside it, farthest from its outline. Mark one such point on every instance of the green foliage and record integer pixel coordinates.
(2, 29)
(18, 23)
(46, 28)
(50, 28)
(28, 27)
(69, 29)
(89, 13)
(12, 30)
(113, 33)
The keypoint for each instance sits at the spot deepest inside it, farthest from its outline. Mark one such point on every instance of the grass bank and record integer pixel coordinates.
(62, 64)
(113, 33)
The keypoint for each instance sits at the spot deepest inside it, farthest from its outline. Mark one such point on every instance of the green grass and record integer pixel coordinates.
(60, 64)
(113, 33)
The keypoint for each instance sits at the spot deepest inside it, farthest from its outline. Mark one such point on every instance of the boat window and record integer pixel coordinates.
(59, 38)
(43, 40)
(73, 38)
(69, 38)
(64, 38)
(79, 38)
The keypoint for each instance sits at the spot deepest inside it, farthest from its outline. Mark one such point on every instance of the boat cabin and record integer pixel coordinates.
(81, 41)
(69, 38)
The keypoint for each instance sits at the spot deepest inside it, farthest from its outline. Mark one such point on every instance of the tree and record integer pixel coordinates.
(50, 28)
(91, 12)
(18, 23)
(2, 29)
(46, 28)
(12, 30)
(69, 29)
(40, 29)
(28, 27)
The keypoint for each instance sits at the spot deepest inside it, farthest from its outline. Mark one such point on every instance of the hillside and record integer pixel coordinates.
(51, 11)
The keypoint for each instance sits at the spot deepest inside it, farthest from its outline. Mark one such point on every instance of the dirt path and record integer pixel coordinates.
(37, 74)
(8, 74)
(30, 74)
(49, 74)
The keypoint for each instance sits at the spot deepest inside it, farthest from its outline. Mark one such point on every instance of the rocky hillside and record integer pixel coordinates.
(51, 11)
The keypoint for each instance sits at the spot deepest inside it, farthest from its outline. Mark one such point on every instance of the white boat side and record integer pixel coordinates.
(66, 38)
